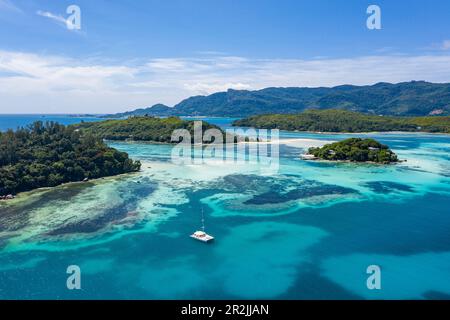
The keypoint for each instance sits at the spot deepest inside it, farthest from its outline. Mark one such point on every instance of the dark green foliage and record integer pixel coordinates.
(345, 121)
(415, 98)
(357, 150)
(46, 155)
(142, 128)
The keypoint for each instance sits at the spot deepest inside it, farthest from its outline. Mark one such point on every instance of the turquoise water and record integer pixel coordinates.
(307, 231)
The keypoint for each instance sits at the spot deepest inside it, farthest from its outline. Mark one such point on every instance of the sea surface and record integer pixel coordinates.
(12, 121)
(306, 230)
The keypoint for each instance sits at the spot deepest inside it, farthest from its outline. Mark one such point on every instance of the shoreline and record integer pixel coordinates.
(21, 195)
(345, 132)
(375, 132)
(354, 162)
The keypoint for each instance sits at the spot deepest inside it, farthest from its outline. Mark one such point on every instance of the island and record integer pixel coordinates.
(144, 128)
(353, 150)
(49, 154)
(333, 120)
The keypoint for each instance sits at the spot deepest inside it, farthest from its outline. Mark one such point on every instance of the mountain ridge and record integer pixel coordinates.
(414, 98)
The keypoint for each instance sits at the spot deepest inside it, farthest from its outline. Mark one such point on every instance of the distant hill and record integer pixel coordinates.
(345, 121)
(156, 110)
(416, 98)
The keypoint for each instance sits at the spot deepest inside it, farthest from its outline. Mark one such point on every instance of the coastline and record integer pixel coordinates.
(366, 132)
(24, 195)
(305, 143)
(345, 132)
(376, 132)
(354, 162)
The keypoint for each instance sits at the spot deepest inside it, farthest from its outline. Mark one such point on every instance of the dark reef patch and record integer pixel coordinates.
(434, 295)
(387, 186)
(130, 191)
(242, 182)
(280, 189)
(15, 217)
(307, 192)
(92, 225)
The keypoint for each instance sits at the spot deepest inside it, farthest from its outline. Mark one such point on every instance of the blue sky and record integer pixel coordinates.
(136, 53)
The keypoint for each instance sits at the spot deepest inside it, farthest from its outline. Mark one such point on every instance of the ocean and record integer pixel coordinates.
(309, 230)
(11, 121)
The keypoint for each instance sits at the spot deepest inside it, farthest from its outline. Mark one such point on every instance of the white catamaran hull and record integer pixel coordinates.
(202, 236)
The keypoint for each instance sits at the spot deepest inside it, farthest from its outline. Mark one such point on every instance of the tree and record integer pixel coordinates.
(46, 155)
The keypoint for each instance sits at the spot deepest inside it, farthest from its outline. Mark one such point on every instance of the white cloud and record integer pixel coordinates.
(31, 83)
(207, 88)
(8, 5)
(47, 14)
(59, 19)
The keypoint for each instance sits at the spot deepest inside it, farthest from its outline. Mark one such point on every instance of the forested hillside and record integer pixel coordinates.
(46, 155)
(415, 98)
(345, 121)
(144, 128)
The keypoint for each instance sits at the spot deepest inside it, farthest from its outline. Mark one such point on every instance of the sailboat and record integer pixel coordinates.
(202, 235)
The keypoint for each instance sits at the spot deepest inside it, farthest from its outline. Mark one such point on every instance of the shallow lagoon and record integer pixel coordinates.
(308, 231)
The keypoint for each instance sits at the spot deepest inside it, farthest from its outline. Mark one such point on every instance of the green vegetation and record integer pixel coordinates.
(415, 98)
(357, 150)
(345, 121)
(46, 155)
(143, 128)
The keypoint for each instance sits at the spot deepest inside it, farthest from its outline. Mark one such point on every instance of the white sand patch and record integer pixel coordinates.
(181, 176)
(305, 143)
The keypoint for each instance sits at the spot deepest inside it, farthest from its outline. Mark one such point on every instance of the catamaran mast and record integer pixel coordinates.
(203, 221)
(202, 235)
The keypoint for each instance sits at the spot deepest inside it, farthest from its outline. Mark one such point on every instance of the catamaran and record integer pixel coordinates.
(202, 235)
